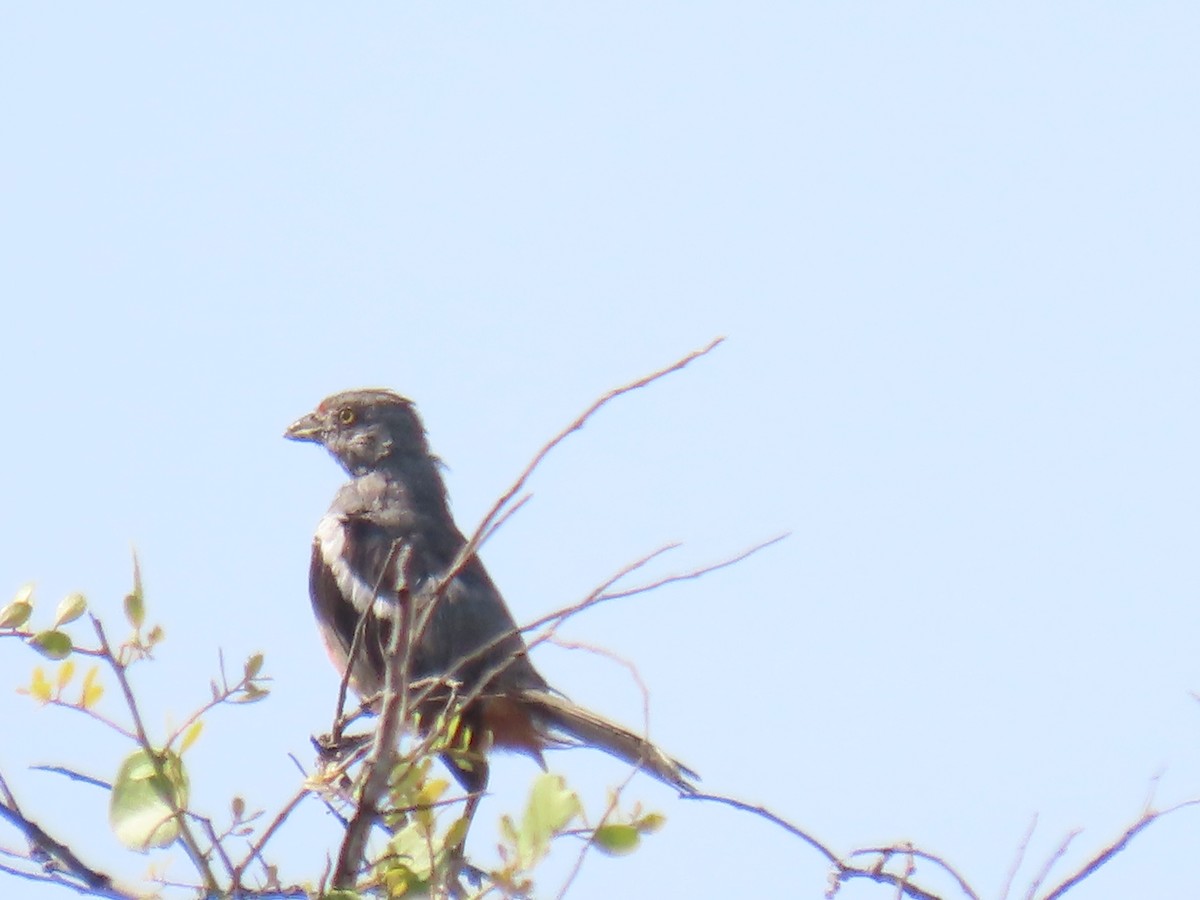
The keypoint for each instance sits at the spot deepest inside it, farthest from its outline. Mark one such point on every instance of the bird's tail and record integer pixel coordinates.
(559, 714)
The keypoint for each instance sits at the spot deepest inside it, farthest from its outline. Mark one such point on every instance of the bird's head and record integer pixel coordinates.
(363, 428)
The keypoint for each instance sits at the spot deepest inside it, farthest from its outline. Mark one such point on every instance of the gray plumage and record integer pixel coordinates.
(396, 494)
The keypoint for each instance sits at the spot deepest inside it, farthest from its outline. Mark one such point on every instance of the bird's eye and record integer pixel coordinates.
(347, 416)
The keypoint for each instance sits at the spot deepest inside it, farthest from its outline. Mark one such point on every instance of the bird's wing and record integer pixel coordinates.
(375, 548)
(356, 575)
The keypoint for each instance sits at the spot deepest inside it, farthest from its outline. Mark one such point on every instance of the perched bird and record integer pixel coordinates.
(388, 533)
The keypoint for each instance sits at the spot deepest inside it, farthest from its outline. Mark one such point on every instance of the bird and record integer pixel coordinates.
(387, 539)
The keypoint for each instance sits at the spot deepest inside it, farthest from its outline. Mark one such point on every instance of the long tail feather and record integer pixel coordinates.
(560, 714)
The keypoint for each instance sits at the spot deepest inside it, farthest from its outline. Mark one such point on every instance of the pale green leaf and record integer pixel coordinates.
(189, 736)
(15, 614)
(650, 823)
(551, 808)
(52, 644)
(616, 839)
(71, 608)
(253, 666)
(142, 803)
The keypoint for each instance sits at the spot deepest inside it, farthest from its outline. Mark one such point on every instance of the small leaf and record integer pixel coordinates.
(135, 600)
(456, 833)
(52, 644)
(189, 736)
(431, 792)
(650, 823)
(39, 687)
(71, 608)
(135, 610)
(616, 839)
(155, 636)
(91, 695)
(251, 694)
(90, 691)
(143, 802)
(15, 614)
(253, 666)
(551, 807)
(237, 806)
(65, 672)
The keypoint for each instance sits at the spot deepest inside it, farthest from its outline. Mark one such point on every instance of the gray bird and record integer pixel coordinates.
(394, 514)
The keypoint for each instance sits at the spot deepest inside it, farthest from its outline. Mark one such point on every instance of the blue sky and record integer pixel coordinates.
(952, 247)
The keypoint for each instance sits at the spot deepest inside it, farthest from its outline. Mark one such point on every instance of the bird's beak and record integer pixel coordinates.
(306, 428)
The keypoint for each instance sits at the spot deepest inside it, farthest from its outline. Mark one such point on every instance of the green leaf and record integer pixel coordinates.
(142, 804)
(411, 850)
(135, 610)
(52, 644)
(71, 608)
(552, 806)
(251, 694)
(15, 614)
(650, 823)
(189, 736)
(616, 839)
(253, 666)
(135, 601)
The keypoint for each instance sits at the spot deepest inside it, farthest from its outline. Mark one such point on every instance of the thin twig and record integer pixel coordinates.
(910, 851)
(1020, 857)
(96, 882)
(1044, 871)
(91, 713)
(256, 848)
(842, 870)
(472, 546)
(590, 841)
(1116, 847)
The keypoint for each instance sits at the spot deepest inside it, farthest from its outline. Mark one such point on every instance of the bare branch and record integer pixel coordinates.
(910, 851)
(256, 848)
(694, 573)
(1115, 847)
(842, 871)
(485, 527)
(764, 813)
(1016, 863)
(93, 882)
(1044, 872)
(92, 714)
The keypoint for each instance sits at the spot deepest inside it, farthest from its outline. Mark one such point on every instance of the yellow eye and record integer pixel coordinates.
(347, 416)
